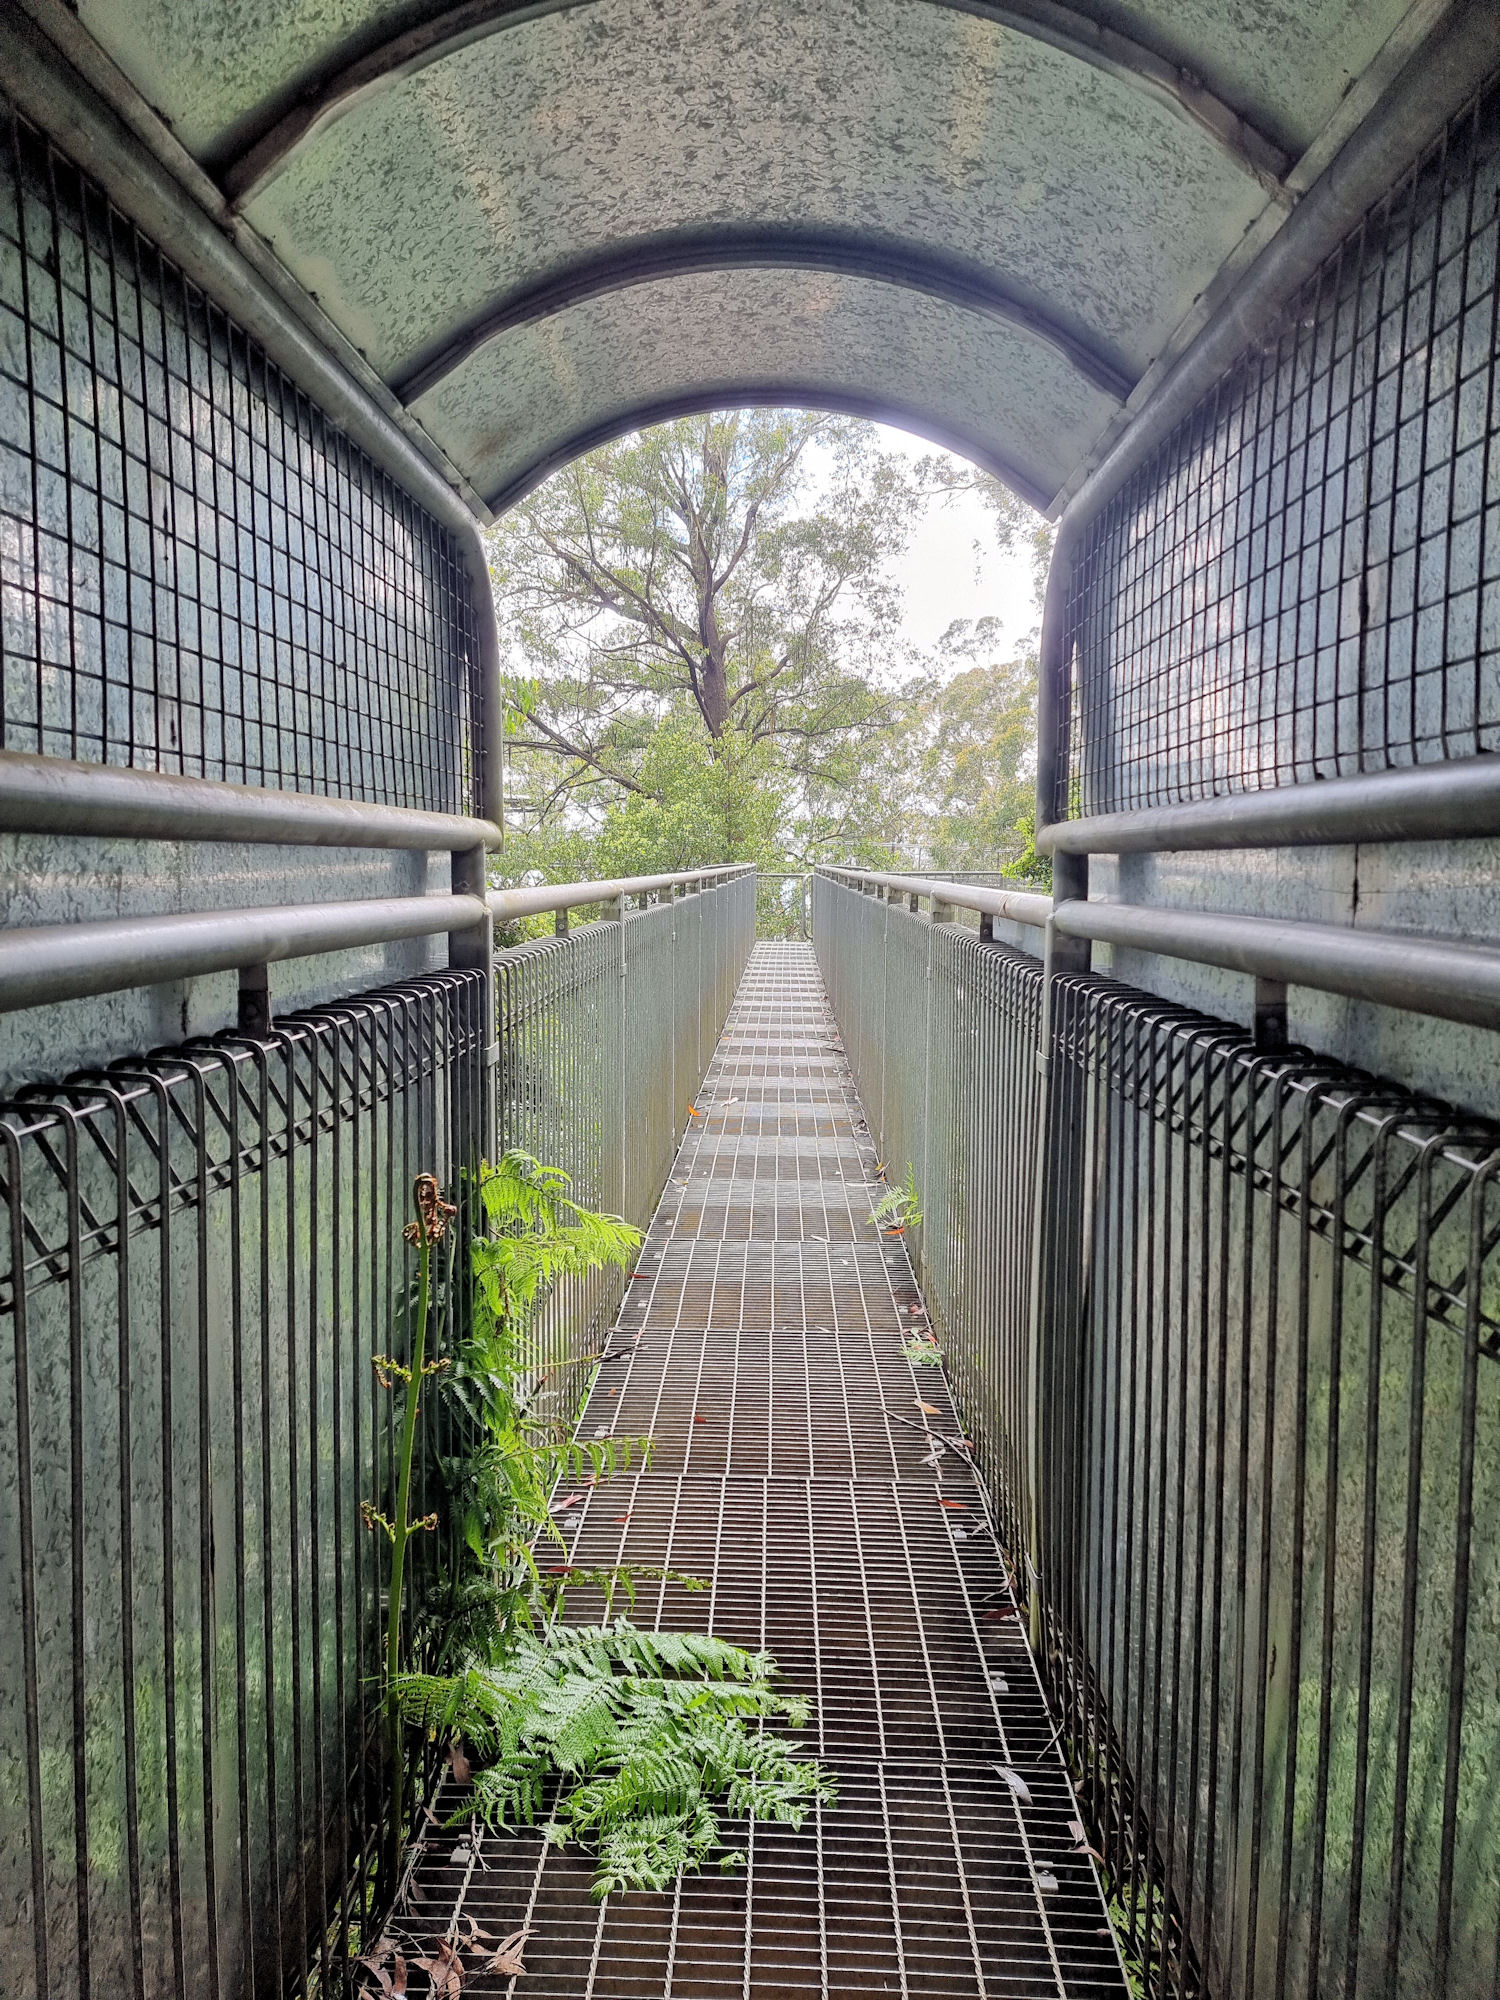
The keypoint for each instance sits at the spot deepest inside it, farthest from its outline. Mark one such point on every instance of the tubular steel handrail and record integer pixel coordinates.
(1017, 906)
(111, 801)
(506, 905)
(53, 962)
(1419, 975)
(1456, 800)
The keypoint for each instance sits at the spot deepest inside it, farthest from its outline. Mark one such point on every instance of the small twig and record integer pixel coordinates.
(1048, 1744)
(937, 1437)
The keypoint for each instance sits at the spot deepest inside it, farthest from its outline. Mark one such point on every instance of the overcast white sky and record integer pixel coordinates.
(943, 576)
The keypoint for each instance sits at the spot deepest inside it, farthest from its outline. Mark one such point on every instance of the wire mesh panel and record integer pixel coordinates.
(198, 573)
(203, 1254)
(941, 1029)
(604, 1037)
(1304, 580)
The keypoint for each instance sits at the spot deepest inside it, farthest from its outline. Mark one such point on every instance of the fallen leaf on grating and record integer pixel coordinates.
(445, 1970)
(927, 1409)
(622, 1517)
(571, 1500)
(398, 1975)
(961, 1504)
(1016, 1782)
(507, 1957)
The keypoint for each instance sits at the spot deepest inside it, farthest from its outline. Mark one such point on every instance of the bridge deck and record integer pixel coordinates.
(791, 1472)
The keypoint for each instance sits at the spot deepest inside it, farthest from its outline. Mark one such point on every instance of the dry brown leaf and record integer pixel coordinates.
(507, 1957)
(445, 1970)
(927, 1409)
(398, 1975)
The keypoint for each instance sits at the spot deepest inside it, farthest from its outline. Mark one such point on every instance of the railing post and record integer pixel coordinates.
(473, 949)
(1057, 1217)
(615, 910)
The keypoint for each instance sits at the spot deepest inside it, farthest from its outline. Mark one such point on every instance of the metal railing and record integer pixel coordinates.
(604, 1036)
(1225, 1325)
(202, 1255)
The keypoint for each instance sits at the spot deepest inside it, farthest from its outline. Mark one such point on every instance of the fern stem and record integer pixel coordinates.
(400, 1533)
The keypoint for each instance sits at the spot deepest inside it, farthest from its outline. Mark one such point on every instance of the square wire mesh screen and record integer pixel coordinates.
(198, 572)
(1304, 580)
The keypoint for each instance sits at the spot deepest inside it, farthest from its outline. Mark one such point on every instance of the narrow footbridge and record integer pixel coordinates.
(798, 1472)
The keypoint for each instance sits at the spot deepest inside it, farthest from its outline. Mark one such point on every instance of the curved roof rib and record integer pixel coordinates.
(644, 261)
(769, 396)
(1154, 71)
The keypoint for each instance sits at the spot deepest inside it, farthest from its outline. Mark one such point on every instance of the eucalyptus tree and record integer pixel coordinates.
(703, 630)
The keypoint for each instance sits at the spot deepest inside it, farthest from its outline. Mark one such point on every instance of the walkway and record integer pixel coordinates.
(791, 1470)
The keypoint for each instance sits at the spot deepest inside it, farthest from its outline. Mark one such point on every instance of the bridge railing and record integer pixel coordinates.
(202, 1257)
(1224, 1321)
(604, 1034)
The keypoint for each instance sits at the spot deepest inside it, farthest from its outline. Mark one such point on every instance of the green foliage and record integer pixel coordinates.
(923, 1350)
(709, 664)
(501, 1483)
(899, 1207)
(635, 1740)
(648, 1732)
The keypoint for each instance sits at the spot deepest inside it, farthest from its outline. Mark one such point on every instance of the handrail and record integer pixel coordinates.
(1455, 982)
(71, 961)
(1459, 800)
(1016, 906)
(506, 905)
(1401, 969)
(56, 795)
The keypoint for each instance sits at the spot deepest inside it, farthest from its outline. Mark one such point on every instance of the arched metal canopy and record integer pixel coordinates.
(545, 221)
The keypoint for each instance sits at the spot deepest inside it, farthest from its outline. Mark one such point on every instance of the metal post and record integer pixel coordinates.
(254, 1016)
(615, 910)
(474, 949)
(1056, 1210)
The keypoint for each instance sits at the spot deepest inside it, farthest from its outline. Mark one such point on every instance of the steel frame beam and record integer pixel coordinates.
(648, 261)
(345, 83)
(733, 395)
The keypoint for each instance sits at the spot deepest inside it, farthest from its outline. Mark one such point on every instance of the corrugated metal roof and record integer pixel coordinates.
(540, 223)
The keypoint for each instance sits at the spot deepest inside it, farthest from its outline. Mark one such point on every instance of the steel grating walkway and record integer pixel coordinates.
(767, 1362)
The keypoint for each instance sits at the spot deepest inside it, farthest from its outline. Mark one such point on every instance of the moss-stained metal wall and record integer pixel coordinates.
(201, 1252)
(201, 1246)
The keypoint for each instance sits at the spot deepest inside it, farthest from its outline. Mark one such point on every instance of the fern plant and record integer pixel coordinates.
(899, 1208)
(628, 1740)
(631, 1741)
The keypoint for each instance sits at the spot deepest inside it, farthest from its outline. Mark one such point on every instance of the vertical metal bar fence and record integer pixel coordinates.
(1268, 1433)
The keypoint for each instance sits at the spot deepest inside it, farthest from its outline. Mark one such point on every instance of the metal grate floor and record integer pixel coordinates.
(791, 1472)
